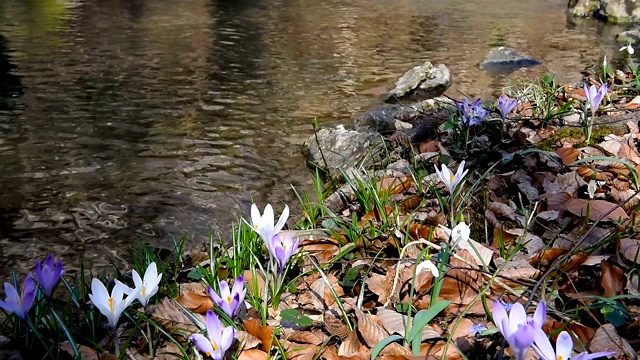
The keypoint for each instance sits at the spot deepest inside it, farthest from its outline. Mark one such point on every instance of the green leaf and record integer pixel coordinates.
(613, 315)
(196, 274)
(329, 224)
(296, 317)
(423, 317)
(383, 344)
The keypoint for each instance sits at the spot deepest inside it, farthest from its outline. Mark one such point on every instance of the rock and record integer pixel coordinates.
(422, 82)
(629, 37)
(387, 119)
(583, 8)
(506, 59)
(342, 149)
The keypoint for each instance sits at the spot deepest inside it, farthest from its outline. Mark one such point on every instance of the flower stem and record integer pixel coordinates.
(115, 340)
(149, 340)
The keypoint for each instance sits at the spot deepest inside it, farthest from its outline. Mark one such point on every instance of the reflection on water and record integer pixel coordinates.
(130, 120)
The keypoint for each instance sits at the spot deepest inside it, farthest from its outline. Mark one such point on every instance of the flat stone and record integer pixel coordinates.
(506, 59)
(422, 82)
(583, 8)
(629, 37)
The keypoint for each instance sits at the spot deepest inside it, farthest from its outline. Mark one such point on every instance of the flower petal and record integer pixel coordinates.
(500, 316)
(540, 315)
(227, 338)
(202, 343)
(564, 346)
(517, 316)
(283, 219)
(543, 346)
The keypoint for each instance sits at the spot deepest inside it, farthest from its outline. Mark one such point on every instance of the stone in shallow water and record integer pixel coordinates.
(422, 82)
(503, 58)
(583, 8)
(631, 36)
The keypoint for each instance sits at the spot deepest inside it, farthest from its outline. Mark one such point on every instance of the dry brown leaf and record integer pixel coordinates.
(167, 352)
(393, 185)
(334, 325)
(381, 285)
(195, 302)
(322, 249)
(396, 323)
(172, 317)
(193, 287)
(630, 249)
(330, 353)
(568, 155)
(308, 337)
(319, 295)
(568, 183)
(372, 333)
(557, 201)
(249, 282)
(296, 351)
(351, 345)
(246, 340)
(492, 219)
(607, 339)
(501, 209)
(613, 280)
(253, 354)
(597, 209)
(583, 333)
(262, 333)
(460, 286)
(86, 353)
(429, 146)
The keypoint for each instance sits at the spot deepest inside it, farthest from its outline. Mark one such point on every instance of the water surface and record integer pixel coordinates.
(140, 120)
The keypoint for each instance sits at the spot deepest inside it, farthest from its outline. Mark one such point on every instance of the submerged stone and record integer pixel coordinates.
(503, 58)
(611, 11)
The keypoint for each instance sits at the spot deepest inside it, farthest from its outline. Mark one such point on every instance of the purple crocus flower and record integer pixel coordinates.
(471, 114)
(506, 105)
(595, 96)
(517, 328)
(219, 339)
(229, 300)
(48, 274)
(20, 304)
(564, 348)
(282, 248)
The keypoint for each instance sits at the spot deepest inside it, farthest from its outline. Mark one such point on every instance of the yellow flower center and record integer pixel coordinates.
(229, 299)
(208, 354)
(215, 346)
(111, 304)
(143, 291)
(451, 178)
(559, 357)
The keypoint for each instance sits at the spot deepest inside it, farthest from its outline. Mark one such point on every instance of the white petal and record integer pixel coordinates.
(564, 346)
(283, 219)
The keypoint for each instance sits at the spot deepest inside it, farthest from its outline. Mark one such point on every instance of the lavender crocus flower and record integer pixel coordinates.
(229, 300)
(48, 274)
(564, 348)
(219, 339)
(282, 247)
(595, 96)
(517, 328)
(506, 105)
(471, 114)
(19, 304)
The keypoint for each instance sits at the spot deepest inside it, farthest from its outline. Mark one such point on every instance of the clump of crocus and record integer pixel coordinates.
(19, 303)
(219, 339)
(48, 274)
(264, 224)
(564, 348)
(111, 305)
(471, 114)
(229, 300)
(519, 330)
(595, 96)
(282, 247)
(145, 287)
(451, 180)
(506, 105)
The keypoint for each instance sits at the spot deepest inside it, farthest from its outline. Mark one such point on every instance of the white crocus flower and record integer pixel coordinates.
(263, 224)
(450, 180)
(628, 48)
(428, 265)
(111, 306)
(460, 234)
(146, 287)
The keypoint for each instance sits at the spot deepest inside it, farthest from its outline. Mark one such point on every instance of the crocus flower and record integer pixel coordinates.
(144, 288)
(506, 105)
(19, 304)
(263, 224)
(517, 328)
(48, 274)
(282, 248)
(471, 114)
(111, 306)
(229, 300)
(595, 96)
(564, 348)
(219, 341)
(428, 265)
(450, 180)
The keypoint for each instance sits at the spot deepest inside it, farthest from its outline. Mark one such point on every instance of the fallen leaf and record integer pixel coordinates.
(251, 283)
(597, 209)
(262, 333)
(372, 334)
(253, 354)
(195, 302)
(607, 339)
(568, 155)
(86, 353)
(351, 345)
(613, 280)
(396, 323)
(630, 249)
(168, 314)
(308, 337)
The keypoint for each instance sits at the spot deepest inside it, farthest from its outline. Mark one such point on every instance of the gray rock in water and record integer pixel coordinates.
(342, 149)
(387, 119)
(631, 36)
(420, 83)
(506, 59)
(583, 8)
